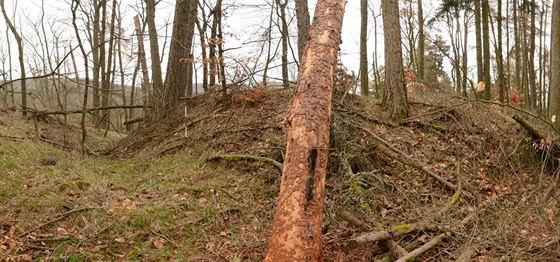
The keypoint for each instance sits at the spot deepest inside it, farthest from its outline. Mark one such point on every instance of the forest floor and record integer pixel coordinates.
(147, 197)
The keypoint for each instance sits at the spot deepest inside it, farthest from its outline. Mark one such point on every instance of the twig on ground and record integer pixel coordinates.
(12, 138)
(165, 237)
(410, 162)
(56, 220)
(52, 239)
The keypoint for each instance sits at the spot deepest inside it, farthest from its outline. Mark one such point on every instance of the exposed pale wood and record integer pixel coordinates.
(353, 220)
(297, 225)
(388, 234)
(430, 244)
(396, 248)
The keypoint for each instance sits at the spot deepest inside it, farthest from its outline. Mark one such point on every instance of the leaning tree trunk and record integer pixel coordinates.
(296, 233)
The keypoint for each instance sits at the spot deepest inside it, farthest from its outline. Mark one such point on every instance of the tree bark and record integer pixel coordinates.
(95, 46)
(154, 48)
(486, 48)
(284, 32)
(203, 45)
(555, 62)
(394, 95)
(302, 16)
(143, 63)
(74, 8)
(420, 56)
(296, 234)
(531, 61)
(364, 81)
(179, 54)
(478, 32)
(516, 44)
(499, 56)
(109, 73)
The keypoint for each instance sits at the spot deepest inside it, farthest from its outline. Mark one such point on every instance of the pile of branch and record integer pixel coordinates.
(388, 236)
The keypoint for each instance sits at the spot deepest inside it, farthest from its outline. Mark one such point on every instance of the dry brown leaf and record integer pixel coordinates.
(120, 240)
(25, 257)
(158, 243)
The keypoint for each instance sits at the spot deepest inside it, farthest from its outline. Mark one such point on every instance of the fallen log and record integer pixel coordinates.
(133, 120)
(537, 135)
(388, 234)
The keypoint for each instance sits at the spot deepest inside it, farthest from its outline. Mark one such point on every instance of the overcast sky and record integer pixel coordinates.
(244, 23)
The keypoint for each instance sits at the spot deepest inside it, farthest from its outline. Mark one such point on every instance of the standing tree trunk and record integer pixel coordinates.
(284, 33)
(154, 48)
(555, 62)
(74, 7)
(212, 43)
(364, 81)
(420, 55)
(376, 74)
(203, 45)
(296, 233)
(221, 60)
(516, 44)
(107, 85)
(302, 16)
(499, 56)
(542, 56)
(465, 56)
(179, 54)
(95, 47)
(394, 95)
(531, 62)
(143, 62)
(486, 48)
(19, 41)
(478, 32)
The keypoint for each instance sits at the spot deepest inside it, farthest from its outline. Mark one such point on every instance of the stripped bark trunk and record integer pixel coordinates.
(296, 234)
